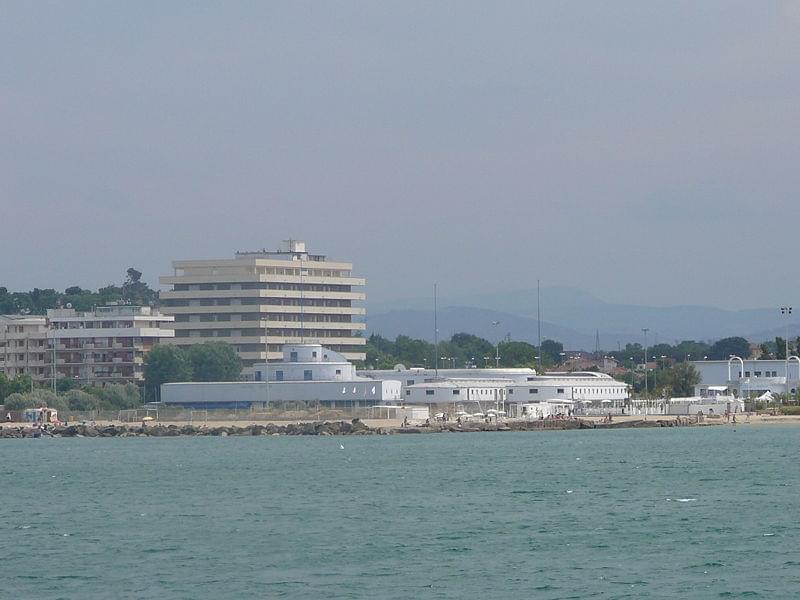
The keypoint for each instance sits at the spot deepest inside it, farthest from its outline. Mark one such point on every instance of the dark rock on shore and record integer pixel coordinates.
(354, 427)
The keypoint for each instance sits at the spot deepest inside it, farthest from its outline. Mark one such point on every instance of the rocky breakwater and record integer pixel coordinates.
(354, 427)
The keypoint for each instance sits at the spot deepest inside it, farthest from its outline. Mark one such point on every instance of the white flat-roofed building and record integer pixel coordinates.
(23, 346)
(491, 392)
(106, 345)
(520, 385)
(308, 373)
(587, 386)
(748, 377)
(417, 375)
(308, 362)
(281, 297)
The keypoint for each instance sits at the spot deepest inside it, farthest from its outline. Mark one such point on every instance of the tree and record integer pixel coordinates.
(551, 352)
(380, 352)
(724, 348)
(414, 353)
(78, 400)
(465, 346)
(166, 364)
(214, 361)
(780, 348)
(66, 384)
(763, 351)
(17, 401)
(135, 291)
(517, 354)
(19, 385)
(118, 396)
(681, 380)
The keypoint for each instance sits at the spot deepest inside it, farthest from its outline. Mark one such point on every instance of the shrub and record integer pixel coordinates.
(78, 400)
(17, 401)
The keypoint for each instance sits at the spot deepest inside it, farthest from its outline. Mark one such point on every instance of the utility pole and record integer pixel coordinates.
(645, 330)
(435, 331)
(539, 324)
(787, 312)
(496, 324)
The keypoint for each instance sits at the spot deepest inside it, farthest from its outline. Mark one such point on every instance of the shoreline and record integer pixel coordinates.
(363, 427)
(320, 428)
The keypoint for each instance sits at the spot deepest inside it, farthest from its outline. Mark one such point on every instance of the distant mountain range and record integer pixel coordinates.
(571, 316)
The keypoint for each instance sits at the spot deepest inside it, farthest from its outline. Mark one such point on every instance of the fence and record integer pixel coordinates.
(294, 412)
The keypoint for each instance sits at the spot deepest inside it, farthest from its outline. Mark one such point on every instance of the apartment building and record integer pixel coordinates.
(106, 345)
(23, 346)
(288, 296)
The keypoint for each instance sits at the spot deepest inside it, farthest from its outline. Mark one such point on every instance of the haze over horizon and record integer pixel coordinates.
(643, 152)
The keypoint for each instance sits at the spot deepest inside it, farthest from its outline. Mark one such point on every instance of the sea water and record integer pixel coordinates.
(672, 513)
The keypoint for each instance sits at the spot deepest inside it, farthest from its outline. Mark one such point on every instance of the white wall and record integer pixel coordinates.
(246, 392)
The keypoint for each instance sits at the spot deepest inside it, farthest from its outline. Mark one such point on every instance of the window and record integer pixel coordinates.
(510, 391)
(533, 390)
(307, 375)
(746, 374)
(314, 354)
(757, 373)
(338, 371)
(293, 357)
(408, 392)
(560, 391)
(429, 392)
(278, 375)
(409, 382)
(456, 392)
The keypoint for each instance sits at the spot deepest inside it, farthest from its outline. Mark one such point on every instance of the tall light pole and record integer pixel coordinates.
(496, 324)
(435, 331)
(786, 311)
(539, 325)
(645, 330)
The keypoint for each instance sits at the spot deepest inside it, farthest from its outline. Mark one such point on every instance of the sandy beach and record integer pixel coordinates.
(742, 420)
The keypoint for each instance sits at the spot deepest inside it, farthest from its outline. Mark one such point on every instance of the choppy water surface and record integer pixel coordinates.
(678, 513)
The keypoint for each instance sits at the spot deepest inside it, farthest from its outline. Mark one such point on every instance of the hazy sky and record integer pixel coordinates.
(644, 151)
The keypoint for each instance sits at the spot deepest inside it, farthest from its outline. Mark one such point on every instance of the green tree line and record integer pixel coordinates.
(36, 302)
(462, 350)
(209, 361)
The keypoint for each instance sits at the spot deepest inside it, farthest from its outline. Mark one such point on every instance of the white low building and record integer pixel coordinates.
(716, 405)
(487, 393)
(532, 411)
(748, 378)
(308, 373)
(416, 375)
(589, 387)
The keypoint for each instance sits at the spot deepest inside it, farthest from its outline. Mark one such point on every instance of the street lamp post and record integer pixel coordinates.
(786, 311)
(645, 330)
(496, 324)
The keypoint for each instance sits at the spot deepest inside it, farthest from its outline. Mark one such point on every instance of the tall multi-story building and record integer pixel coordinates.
(257, 298)
(23, 346)
(107, 345)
